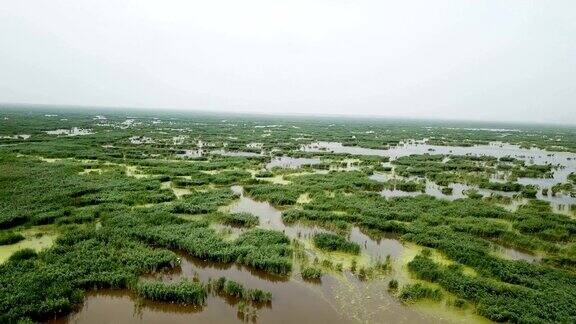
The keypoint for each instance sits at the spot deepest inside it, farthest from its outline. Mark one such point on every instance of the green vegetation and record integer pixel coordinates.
(23, 254)
(311, 273)
(416, 292)
(52, 282)
(203, 202)
(333, 242)
(240, 219)
(525, 299)
(234, 289)
(125, 198)
(393, 284)
(182, 292)
(10, 238)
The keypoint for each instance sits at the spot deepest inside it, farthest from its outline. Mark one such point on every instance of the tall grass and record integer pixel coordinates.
(333, 242)
(182, 292)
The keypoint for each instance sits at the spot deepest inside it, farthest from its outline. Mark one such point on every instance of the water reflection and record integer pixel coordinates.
(515, 254)
(565, 161)
(291, 162)
(337, 298)
(271, 218)
(236, 153)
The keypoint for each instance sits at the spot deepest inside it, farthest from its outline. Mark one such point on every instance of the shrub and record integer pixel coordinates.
(447, 190)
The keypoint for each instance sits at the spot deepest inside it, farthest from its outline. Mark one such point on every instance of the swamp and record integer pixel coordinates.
(172, 217)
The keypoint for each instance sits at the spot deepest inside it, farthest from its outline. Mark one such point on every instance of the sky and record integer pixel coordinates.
(497, 60)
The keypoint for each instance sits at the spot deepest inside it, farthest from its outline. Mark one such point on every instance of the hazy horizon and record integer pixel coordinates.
(510, 61)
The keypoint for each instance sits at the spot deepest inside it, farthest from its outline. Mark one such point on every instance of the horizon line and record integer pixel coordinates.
(287, 114)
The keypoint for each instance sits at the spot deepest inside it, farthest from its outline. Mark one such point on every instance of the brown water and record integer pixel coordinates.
(271, 218)
(337, 298)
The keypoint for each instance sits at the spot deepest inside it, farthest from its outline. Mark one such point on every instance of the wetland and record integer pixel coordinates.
(106, 217)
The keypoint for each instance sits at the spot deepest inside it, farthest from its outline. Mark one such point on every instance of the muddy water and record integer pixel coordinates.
(196, 153)
(562, 204)
(191, 153)
(378, 248)
(75, 131)
(337, 298)
(459, 190)
(271, 218)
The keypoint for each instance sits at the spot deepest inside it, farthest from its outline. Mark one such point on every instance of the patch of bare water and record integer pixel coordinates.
(191, 153)
(75, 131)
(291, 162)
(515, 254)
(236, 153)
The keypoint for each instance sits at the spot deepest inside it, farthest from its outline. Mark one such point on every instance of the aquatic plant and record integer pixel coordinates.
(415, 292)
(109, 199)
(333, 242)
(182, 292)
(234, 289)
(7, 238)
(239, 219)
(311, 273)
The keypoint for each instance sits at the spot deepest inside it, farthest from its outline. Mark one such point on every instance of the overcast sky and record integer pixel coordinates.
(480, 60)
